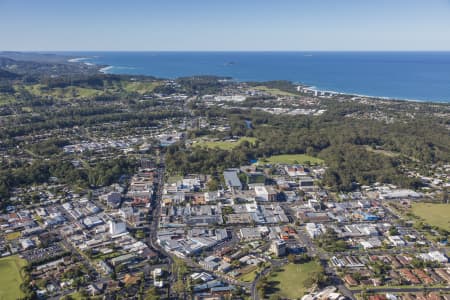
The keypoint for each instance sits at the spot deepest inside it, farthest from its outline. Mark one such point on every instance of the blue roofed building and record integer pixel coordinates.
(370, 217)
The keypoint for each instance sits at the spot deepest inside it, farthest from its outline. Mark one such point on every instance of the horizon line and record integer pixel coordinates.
(262, 51)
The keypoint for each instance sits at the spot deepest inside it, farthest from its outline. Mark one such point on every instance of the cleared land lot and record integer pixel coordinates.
(291, 159)
(273, 91)
(289, 281)
(433, 214)
(141, 87)
(11, 277)
(224, 145)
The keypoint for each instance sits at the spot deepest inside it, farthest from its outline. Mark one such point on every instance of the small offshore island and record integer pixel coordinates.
(136, 187)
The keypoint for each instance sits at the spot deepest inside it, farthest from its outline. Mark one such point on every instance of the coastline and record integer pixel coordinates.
(106, 69)
(349, 94)
(78, 59)
(81, 60)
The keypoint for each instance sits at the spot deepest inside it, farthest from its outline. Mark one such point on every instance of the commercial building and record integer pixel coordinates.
(249, 234)
(117, 227)
(278, 247)
(232, 180)
(434, 256)
(314, 230)
(265, 193)
(397, 241)
(112, 199)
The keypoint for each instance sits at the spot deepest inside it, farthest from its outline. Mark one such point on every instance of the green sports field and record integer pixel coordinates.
(11, 277)
(224, 145)
(291, 159)
(289, 281)
(433, 214)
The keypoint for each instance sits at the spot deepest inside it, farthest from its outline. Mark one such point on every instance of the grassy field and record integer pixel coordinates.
(63, 93)
(289, 282)
(250, 276)
(141, 87)
(79, 296)
(433, 214)
(383, 152)
(13, 236)
(291, 159)
(71, 92)
(174, 179)
(76, 296)
(224, 145)
(11, 277)
(6, 99)
(273, 92)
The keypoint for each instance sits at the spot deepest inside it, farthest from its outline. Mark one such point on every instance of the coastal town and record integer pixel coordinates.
(146, 224)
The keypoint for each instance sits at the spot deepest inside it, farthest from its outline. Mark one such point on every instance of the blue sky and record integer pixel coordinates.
(225, 25)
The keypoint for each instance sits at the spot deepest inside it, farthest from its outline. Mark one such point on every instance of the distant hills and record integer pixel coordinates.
(4, 74)
(35, 56)
(36, 64)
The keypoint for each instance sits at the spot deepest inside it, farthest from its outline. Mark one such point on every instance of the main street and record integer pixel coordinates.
(155, 214)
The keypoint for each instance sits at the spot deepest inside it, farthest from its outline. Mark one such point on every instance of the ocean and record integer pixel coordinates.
(422, 76)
